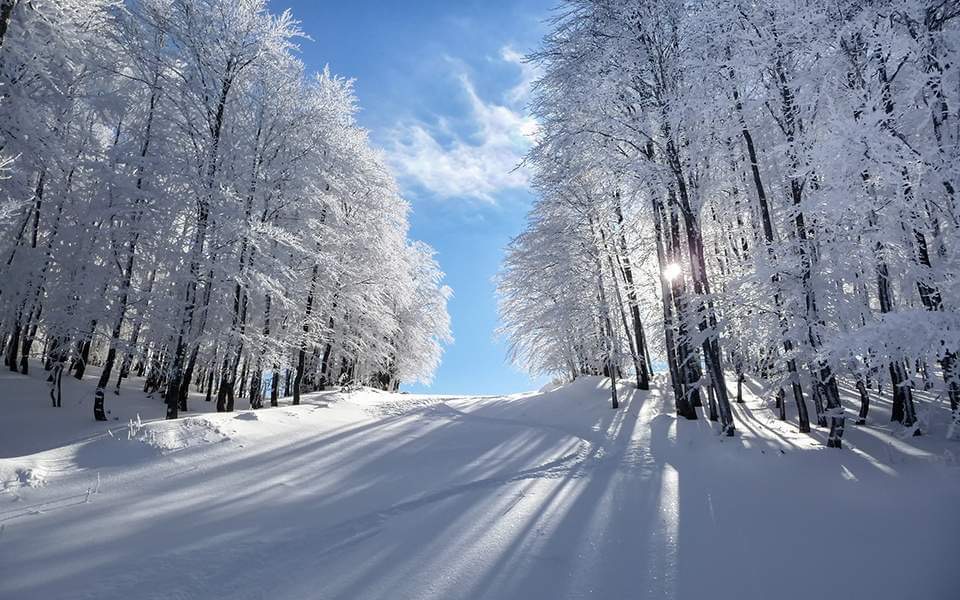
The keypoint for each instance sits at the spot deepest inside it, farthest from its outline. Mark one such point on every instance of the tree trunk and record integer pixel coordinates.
(301, 355)
(275, 387)
(6, 14)
(56, 378)
(13, 346)
(803, 418)
(899, 380)
(639, 367)
(864, 402)
(177, 369)
(256, 391)
(28, 342)
(825, 384)
(174, 376)
(712, 401)
(687, 357)
(683, 407)
(209, 393)
(298, 378)
(707, 322)
(640, 341)
(115, 333)
(85, 351)
(183, 392)
(611, 358)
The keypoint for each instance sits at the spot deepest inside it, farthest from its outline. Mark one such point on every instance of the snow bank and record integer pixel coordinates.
(170, 436)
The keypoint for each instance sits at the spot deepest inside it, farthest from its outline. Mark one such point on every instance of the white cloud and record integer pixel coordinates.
(529, 73)
(478, 164)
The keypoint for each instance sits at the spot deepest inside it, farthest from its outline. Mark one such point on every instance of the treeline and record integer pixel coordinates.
(772, 184)
(182, 200)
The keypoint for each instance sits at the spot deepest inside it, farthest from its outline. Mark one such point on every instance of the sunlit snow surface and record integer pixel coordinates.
(542, 495)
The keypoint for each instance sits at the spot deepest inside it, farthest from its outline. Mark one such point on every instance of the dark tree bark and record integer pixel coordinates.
(325, 376)
(825, 388)
(275, 387)
(174, 377)
(902, 408)
(115, 333)
(640, 341)
(6, 14)
(243, 379)
(301, 353)
(29, 334)
(185, 338)
(766, 220)
(56, 389)
(639, 364)
(707, 320)
(84, 357)
(864, 402)
(712, 401)
(13, 346)
(688, 357)
(683, 407)
(209, 392)
(256, 391)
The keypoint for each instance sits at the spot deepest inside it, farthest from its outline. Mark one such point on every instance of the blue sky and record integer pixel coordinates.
(443, 90)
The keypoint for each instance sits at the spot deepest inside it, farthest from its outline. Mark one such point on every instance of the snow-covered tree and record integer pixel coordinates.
(784, 178)
(181, 199)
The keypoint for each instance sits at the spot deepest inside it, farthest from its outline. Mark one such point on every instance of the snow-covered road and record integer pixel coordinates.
(548, 495)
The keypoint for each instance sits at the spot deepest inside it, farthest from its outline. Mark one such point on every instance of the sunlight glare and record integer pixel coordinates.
(672, 271)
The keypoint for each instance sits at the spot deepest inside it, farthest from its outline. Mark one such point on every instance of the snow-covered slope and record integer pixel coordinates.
(541, 495)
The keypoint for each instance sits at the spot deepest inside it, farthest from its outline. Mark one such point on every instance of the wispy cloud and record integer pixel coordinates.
(520, 93)
(476, 161)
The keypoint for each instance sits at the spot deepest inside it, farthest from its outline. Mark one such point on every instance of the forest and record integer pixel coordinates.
(183, 200)
(707, 262)
(733, 189)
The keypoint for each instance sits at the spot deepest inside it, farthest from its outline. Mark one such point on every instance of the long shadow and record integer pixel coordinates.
(748, 519)
(632, 503)
(607, 511)
(311, 463)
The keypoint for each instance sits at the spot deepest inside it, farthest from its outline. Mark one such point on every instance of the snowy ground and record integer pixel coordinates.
(541, 495)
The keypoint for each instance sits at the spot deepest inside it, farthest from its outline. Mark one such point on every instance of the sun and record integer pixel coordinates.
(672, 271)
